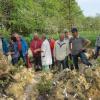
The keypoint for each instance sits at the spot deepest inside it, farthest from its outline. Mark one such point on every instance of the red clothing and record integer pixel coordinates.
(29, 65)
(52, 43)
(19, 44)
(35, 44)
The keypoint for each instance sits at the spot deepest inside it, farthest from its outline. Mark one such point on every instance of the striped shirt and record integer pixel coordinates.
(60, 50)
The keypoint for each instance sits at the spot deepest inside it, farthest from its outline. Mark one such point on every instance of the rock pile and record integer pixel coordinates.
(72, 85)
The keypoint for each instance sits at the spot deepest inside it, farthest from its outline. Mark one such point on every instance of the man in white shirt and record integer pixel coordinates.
(46, 56)
(61, 52)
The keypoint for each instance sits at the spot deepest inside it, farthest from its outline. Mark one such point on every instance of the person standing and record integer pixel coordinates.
(35, 47)
(13, 50)
(77, 45)
(46, 56)
(5, 46)
(1, 49)
(61, 52)
(68, 36)
(97, 47)
(22, 47)
(52, 43)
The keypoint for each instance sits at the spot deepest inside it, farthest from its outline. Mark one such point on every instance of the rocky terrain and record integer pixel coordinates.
(25, 84)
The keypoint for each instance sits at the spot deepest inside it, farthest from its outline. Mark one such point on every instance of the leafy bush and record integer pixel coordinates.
(5, 33)
(44, 86)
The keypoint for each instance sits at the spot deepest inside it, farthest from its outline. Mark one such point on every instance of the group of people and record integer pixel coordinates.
(62, 53)
(48, 53)
(16, 47)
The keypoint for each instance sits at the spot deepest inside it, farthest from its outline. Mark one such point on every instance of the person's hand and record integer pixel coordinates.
(83, 50)
(9, 53)
(38, 50)
(35, 51)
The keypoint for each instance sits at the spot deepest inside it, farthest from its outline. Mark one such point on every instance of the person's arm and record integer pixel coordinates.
(38, 49)
(70, 44)
(32, 47)
(97, 41)
(87, 43)
(67, 47)
(43, 50)
(26, 45)
(54, 52)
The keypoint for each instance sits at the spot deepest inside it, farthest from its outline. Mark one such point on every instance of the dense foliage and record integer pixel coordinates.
(26, 16)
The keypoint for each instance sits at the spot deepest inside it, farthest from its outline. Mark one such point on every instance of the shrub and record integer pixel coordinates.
(44, 86)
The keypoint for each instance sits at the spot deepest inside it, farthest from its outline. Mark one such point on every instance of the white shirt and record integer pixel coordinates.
(61, 50)
(46, 56)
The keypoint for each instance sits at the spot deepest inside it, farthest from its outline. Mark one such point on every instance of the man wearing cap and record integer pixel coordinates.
(77, 45)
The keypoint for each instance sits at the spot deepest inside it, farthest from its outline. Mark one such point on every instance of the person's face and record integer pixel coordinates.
(43, 37)
(75, 34)
(17, 36)
(62, 37)
(13, 39)
(35, 37)
(67, 34)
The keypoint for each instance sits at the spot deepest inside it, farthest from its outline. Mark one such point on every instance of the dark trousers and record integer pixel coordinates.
(14, 61)
(83, 59)
(53, 64)
(23, 57)
(37, 62)
(64, 63)
(69, 62)
(96, 52)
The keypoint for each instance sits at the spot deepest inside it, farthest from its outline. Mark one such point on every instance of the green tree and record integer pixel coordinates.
(27, 16)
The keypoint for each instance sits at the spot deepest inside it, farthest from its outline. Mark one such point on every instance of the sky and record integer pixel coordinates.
(89, 7)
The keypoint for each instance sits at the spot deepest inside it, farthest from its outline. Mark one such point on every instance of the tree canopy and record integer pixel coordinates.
(27, 16)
